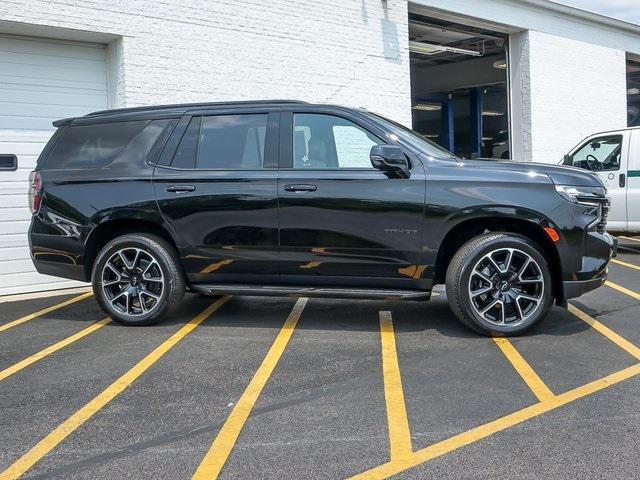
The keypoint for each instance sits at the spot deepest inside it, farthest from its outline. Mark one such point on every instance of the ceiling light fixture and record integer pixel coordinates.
(492, 113)
(433, 49)
(633, 91)
(427, 107)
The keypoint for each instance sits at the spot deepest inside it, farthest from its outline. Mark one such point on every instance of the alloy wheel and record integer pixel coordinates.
(132, 281)
(506, 287)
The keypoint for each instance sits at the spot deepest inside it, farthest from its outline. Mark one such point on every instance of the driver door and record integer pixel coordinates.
(606, 156)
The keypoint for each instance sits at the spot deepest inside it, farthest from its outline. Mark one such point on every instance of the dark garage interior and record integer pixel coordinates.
(459, 86)
(633, 91)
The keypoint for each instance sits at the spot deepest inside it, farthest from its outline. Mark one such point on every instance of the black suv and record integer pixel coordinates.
(290, 198)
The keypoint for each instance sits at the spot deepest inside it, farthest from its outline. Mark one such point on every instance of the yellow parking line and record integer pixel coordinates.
(528, 374)
(44, 311)
(625, 264)
(7, 372)
(546, 404)
(65, 429)
(606, 331)
(630, 238)
(219, 451)
(478, 433)
(399, 433)
(622, 289)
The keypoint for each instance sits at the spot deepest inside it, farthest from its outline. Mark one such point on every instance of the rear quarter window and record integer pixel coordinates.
(91, 146)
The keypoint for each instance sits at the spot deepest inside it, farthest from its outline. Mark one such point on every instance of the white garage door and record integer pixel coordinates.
(40, 81)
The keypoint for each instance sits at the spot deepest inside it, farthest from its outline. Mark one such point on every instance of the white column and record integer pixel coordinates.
(562, 90)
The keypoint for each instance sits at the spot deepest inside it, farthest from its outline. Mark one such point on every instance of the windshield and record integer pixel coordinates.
(413, 138)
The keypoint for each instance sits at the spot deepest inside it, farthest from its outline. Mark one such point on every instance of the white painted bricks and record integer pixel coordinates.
(335, 51)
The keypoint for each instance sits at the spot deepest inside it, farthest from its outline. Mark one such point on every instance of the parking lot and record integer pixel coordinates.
(249, 387)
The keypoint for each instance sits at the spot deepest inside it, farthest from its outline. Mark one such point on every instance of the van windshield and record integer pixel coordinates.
(413, 138)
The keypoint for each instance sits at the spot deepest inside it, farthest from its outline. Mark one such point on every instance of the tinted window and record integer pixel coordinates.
(327, 141)
(185, 156)
(599, 154)
(232, 142)
(140, 148)
(90, 146)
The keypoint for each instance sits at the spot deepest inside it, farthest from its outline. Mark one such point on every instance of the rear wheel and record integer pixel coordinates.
(137, 279)
(499, 284)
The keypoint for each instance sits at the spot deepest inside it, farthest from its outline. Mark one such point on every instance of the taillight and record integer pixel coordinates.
(35, 191)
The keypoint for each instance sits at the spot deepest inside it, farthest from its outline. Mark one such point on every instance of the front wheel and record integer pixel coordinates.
(137, 279)
(499, 284)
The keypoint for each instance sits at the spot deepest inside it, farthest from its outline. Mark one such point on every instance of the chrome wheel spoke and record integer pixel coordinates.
(528, 297)
(489, 307)
(149, 294)
(148, 267)
(493, 263)
(523, 269)
(142, 304)
(507, 262)
(482, 291)
(519, 310)
(127, 301)
(124, 260)
(482, 276)
(502, 319)
(155, 280)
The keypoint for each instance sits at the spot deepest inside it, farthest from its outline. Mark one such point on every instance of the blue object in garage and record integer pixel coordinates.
(475, 125)
(447, 133)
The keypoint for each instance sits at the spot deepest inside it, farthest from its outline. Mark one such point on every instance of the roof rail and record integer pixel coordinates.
(190, 106)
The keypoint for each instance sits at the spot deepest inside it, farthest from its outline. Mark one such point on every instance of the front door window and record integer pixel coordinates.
(329, 142)
(600, 154)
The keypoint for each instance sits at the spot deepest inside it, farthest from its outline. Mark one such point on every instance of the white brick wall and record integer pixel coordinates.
(563, 91)
(347, 52)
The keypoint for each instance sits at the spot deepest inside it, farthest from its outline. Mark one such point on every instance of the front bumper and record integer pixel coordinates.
(573, 289)
(576, 288)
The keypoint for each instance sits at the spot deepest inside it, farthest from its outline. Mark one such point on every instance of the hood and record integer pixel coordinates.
(559, 174)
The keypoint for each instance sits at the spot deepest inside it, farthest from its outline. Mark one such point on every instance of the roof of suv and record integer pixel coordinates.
(173, 109)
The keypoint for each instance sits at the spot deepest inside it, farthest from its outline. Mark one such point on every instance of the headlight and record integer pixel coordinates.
(582, 195)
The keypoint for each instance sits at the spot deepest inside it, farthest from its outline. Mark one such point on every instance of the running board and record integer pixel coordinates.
(323, 292)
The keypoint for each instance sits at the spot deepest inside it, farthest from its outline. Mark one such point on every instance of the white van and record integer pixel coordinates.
(615, 157)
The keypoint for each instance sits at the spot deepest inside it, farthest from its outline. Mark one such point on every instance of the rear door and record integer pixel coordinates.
(607, 155)
(216, 185)
(343, 222)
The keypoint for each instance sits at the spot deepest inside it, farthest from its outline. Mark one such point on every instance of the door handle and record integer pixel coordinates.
(300, 188)
(181, 188)
(623, 180)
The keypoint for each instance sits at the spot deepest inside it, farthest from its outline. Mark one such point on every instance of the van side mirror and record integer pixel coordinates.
(566, 160)
(391, 160)
(8, 162)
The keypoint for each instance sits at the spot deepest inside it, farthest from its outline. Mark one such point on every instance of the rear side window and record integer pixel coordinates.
(225, 142)
(90, 146)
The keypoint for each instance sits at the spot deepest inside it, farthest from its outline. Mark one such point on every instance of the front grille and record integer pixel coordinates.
(601, 226)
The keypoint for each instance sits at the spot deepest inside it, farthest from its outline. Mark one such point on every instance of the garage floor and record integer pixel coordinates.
(248, 387)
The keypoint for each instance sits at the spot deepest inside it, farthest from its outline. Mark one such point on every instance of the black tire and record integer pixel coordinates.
(459, 286)
(168, 274)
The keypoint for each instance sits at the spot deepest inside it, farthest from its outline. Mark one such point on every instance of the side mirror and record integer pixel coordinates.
(566, 160)
(391, 160)
(8, 162)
